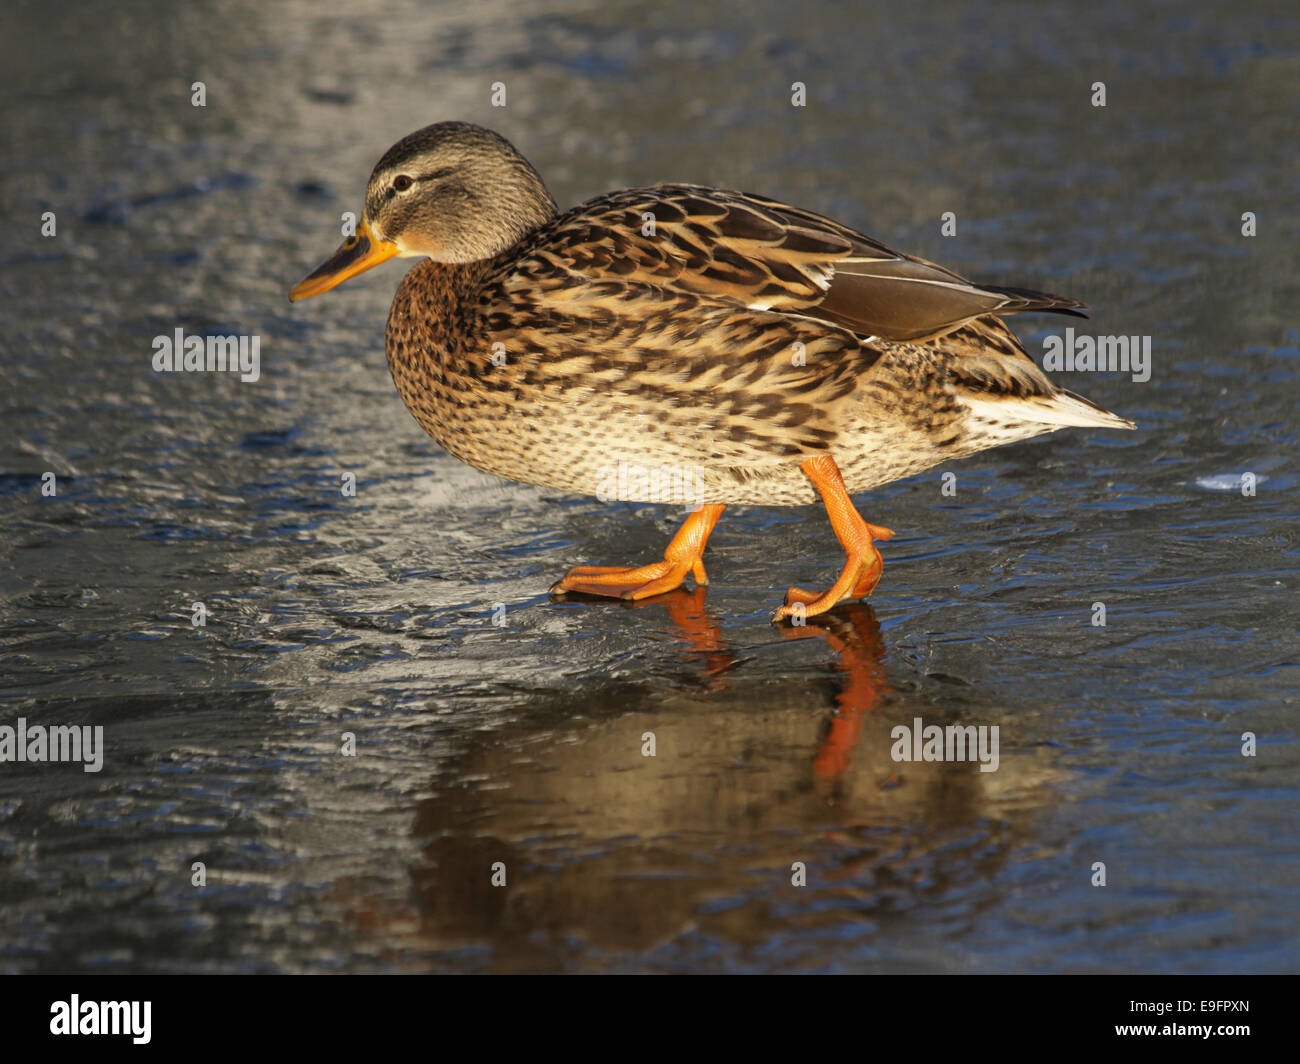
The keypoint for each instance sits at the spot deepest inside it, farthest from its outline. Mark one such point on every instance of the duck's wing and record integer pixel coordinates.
(771, 256)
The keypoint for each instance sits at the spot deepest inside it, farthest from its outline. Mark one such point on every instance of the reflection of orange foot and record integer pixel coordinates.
(863, 564)
(854, 635)
(684, 555)
(701, 632)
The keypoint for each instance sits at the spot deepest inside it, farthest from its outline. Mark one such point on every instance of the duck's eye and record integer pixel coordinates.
(401, 182)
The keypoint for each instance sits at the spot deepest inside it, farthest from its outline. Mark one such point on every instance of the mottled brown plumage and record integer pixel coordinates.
(684, 344)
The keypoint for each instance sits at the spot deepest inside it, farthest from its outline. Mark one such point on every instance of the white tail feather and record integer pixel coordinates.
(1057, 411)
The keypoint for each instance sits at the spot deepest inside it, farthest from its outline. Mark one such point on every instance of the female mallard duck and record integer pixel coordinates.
(685, 345)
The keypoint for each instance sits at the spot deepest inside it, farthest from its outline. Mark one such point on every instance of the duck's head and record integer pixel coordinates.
(451, 192)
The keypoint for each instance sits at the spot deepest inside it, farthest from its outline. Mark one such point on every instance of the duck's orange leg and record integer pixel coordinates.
(863, 567)
(684, 555)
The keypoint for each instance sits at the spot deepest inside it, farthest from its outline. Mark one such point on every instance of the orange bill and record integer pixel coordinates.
(356, 255)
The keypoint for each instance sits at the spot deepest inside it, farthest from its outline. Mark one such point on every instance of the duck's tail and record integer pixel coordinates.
(1062, 410)
(1000, 382)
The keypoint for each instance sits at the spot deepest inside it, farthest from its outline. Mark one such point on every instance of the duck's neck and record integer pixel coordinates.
(439, 288)
(431, 321)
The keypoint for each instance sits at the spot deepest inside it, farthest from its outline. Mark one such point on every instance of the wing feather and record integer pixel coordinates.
(764, 254)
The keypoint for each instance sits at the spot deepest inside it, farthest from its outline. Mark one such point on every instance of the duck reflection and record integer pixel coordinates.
(621, 815)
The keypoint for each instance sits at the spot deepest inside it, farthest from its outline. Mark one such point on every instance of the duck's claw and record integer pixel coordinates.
(684, 555)
(859, 578)
(613, 581)
(863, 564)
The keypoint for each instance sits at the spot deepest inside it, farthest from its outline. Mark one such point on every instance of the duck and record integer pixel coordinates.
(685, 345)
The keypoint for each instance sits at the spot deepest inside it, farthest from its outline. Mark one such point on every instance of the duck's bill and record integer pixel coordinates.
(356, 255)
